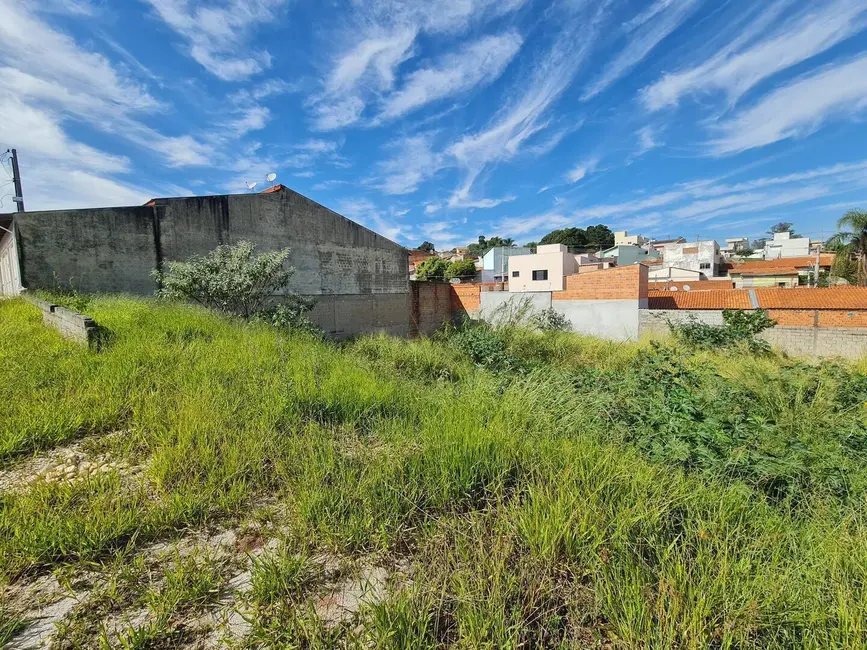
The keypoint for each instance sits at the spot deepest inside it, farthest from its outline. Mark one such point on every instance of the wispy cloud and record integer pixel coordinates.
(413, 162)
(796, 109)
(647, 140)
(368, 214)
(773, 48)
(474, 66)
(218, 33)
(581, 170)
(644, 33)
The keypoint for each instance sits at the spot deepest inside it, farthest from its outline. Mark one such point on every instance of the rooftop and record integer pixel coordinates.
(849, 298)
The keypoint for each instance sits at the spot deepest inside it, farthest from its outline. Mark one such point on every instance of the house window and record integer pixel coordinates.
(516, 274)
(704, 265)
(782, 285)
(540, 275)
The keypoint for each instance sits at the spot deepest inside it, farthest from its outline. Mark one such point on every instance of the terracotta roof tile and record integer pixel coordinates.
(776, 270)
(851, 298)
(721, 299)
(825, 259)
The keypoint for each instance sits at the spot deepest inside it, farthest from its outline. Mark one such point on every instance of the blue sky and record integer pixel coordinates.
(444, 119)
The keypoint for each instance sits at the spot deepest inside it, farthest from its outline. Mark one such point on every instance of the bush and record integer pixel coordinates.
(739, 328)
(484, 345)
(431, 269)
(462, 270)
(550, 320)
(232, 279)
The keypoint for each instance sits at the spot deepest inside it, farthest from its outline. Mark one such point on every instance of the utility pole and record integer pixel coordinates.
(16, 180)
(816, 270)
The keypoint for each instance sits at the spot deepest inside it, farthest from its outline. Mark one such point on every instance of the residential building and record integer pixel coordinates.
(659, 244)
(662, 273)
(359, 280)
(782, 272)
(543, 271)
(783, 245)
(626, 255)
(702, 256)
(10, 282)
(623, 238)
(496, 262)
(782, 277)
(735, 246)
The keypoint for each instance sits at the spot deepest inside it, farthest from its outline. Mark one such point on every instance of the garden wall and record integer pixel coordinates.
(72, 325)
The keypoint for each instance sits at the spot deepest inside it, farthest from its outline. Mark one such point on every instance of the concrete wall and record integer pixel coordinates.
(70, 324)
(358, 278)
(848, 342)
(501, 305)
(607, 319)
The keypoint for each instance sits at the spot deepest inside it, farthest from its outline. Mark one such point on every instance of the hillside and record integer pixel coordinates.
(203, 482)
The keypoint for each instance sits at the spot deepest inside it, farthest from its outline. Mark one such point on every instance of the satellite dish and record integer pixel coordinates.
(674, 288)
(271, 177)
(251, 186)
(686, 287)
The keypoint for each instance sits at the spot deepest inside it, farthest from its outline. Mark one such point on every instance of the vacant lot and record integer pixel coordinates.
(204, 482)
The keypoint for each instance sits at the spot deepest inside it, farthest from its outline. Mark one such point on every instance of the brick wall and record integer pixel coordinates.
(465, 299)
(849, 342)
(430, 307)
(623, 283)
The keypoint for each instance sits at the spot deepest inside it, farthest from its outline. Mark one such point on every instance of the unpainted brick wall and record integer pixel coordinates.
(465, 299)
(623, 283)
(431, 306)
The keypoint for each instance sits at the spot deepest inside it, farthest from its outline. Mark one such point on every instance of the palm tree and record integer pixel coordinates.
(852, 239)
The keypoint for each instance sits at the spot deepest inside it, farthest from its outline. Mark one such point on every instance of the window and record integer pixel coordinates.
(540, 275)
(782, 285)
(516, 274)
(704, 265)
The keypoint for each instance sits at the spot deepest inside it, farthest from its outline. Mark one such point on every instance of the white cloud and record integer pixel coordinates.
(374, 58)
(254, 118)
(218, 33)
(796, 109)
(647, 31)
(647, 140)
(367, 214)
(481, 203)
(317, 146)
(413, 163)
(337, 114)
(307, 174)
(581, 170)
(431, 208)
(775, 46)
(475, 66)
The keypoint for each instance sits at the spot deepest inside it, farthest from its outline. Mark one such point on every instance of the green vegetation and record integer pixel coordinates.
(739, 328)
(542, 489)
(851, 241)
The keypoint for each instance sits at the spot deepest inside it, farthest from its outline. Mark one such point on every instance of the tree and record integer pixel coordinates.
(432, 269)
(759, 244)
(783, 226)
(852, 240)
(484, 245)
(600, 237)
(461, 269)
(532, 245)
(569, 237)
(427, 247)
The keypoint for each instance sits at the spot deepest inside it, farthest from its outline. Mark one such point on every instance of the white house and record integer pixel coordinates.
(496, 262)
(623, 238)
(784, 245)
(702, 256)
(543, 271)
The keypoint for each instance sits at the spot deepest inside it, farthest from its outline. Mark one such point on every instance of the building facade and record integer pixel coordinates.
(701, 256)
(358, 279)
(544, 271)
(783, 245)
(626, 255)
(495, 263)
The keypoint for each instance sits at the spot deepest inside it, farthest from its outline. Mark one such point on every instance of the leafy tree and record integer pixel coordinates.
(570, 237)
(484, 245)
(600, 236)
(532, 245)
(427, 247)
(462, 269)
(758, 244)
(852, 240)
(432, 269)
(783, 226)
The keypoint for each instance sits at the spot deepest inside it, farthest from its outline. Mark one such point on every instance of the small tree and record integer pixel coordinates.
(462, 270)
(232, 279)
(427, 247)
(852, 240)
(783, 226)
(431, 269)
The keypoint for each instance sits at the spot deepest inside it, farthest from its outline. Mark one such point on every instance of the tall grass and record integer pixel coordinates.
(610, 494)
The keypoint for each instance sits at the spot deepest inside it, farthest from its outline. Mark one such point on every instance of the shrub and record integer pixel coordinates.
(462, 269)
(739, 328)
(431, 269)
(234, 280)
(550, 320)
(484, 345)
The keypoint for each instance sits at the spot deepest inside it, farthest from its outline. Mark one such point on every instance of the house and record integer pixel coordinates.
(623, 238)
(702, 256)
(626, 255)
(783, 245)
(734, 246)
(359, 280)
(543, 271)
(496, 262)
(783, 273)
(662, 273)
(659, 244)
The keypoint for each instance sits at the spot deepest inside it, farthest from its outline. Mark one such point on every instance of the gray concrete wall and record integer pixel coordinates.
(338, 262)
(615, 320)
(72, 325)
(819, 342)
(500, 305)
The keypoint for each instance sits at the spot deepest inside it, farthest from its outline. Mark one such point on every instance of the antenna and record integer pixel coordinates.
(251, 186)
(271, 178)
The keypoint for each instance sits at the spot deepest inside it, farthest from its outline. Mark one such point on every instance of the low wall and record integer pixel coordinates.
(430, 307)
(72, 325)
(348, 315)
(501, 305)
(616, 320)
(806, 337)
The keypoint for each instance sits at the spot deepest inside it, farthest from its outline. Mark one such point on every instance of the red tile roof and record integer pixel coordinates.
(851, 298)
(721, 299)
(848, 298)
(275, 188)
(825, 259)
(776, 270)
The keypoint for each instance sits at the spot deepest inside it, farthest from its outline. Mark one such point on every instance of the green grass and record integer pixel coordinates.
(593, 492)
